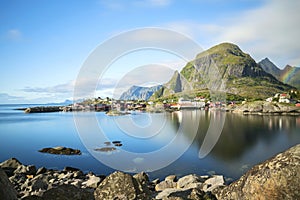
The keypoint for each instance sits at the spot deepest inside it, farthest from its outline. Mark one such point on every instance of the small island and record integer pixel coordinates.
(61, 151)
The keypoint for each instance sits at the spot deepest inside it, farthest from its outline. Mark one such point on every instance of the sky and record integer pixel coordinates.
(44, 44)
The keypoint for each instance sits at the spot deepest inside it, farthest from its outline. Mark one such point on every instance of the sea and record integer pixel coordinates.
(180, 143)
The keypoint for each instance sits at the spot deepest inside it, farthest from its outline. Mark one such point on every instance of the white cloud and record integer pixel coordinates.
(271, 30)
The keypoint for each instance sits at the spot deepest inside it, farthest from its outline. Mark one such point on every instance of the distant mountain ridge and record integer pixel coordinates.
(224, 67)
(139, 93)
(289, 75)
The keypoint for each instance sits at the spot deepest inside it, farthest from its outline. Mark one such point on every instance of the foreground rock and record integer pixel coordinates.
(121, 186)
(276, 178)
(7, 190)
(68, 192)
(10, 165)
(29, 183)
(61, 150)
(187, 187)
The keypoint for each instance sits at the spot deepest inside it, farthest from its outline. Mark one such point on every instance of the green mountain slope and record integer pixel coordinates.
(225, 68)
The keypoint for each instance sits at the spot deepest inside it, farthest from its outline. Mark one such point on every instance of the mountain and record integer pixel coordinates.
(289, 75)
(139, 93)
(224, 67)
(270, 67)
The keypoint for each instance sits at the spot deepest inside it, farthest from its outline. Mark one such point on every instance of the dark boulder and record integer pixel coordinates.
(119, 185)
(7, 191)
(68, 192)
(276, 178)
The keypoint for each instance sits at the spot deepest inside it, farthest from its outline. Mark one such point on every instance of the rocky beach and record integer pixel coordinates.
(276, 178)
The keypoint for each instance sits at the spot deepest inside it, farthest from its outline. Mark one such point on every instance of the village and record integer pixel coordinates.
(107, 104)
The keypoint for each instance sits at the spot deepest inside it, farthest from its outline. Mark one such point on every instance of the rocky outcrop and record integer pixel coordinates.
(265, 108)
(277, 178)
(7, 191)
(61, 151)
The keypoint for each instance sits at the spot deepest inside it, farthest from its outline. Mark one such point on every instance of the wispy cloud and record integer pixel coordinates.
(6, 98)
(61, 88)
(14, 34)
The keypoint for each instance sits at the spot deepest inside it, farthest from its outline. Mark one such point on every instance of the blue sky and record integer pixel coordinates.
(44, 43)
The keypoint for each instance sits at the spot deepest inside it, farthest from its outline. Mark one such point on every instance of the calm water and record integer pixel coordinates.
(149, 140)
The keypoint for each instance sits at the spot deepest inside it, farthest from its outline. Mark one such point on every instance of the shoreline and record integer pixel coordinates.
(249, 108)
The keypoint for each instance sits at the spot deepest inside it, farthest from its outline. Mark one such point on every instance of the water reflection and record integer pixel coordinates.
(241, 133)
(245, 141)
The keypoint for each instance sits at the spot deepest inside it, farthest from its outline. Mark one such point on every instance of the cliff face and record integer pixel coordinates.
(177, 84)
(226, 68)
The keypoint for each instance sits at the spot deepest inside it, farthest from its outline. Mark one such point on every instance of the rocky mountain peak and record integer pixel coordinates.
(230, 61)
(224, 48)
(270, 67)
(287, 67)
